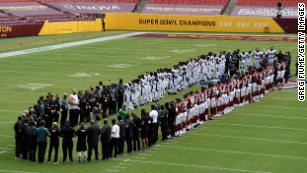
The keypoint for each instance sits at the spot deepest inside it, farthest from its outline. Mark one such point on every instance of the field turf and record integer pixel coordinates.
(270, 136)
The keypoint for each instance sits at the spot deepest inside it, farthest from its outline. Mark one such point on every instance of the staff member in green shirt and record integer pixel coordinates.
(42, 133)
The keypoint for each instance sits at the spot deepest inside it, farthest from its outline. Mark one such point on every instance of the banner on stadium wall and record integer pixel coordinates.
(47, 28)
(220, 23)
(7, 31)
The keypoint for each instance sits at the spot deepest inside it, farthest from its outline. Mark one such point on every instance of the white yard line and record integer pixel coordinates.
(6, 136)
(194, 166)
(7, 110)
(273, 116)
(261, 126)
(251, 138)
(237, 152)
(11, 171)
(8, 122)
(284, 107)
(65, 45)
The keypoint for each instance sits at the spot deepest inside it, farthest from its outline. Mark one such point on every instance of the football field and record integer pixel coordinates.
(269, 136)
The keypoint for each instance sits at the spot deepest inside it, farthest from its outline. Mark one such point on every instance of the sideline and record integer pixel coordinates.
(65, 45)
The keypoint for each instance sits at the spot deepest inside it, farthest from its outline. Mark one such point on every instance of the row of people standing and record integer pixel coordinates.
(131, 131)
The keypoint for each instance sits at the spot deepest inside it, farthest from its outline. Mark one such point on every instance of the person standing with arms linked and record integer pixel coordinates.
(19, 129)
(106, 140)
(129, 134)
(154, 115)
(54, 142)
(122, 134)
(93, 133)
(136, 132)
(42, 133)
(64, 110)
(31, 140)
(115, 138)
(81, 143)
(74, 109)
(67, 133)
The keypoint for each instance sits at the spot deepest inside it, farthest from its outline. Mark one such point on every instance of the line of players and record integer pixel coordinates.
(155, 85)
(222, 98)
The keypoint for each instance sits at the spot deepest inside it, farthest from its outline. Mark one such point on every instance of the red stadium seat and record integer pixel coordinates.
(269, 3)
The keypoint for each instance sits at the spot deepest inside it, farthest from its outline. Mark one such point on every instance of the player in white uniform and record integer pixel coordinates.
(271, 55)
(257, 57)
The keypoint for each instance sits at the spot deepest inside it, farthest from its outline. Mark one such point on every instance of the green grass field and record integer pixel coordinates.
(270, 136)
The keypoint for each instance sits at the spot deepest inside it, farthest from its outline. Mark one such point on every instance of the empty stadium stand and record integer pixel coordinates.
(186, 7)
(266, 8)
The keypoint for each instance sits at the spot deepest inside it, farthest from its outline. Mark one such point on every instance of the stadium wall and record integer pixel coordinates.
(220, 23)
(70, 27)
(48, 28)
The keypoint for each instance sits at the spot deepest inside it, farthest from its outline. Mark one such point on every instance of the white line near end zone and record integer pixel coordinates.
(65, 45)
(11, 171)
(237, 152)
(261, 126)
(273, 116)
(194, 166)
(251, 138)
(7, 136)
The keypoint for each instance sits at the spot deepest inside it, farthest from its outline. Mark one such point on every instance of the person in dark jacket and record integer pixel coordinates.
(31, 140)
(54, 142)
(81, 143)
(106, 140)
(129, 134)
(42, 133)
(122, 137)
(171, 119)
(67, 133)
(93, 133)
(19, 129)
(163, 120)
(144, 129)
(64, 110)
(136, 132)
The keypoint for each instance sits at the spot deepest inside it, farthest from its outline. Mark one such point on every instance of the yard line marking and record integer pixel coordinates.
(251, 138)
(11, 171)
(7, 122)
(260, 126)
(7, 110)
(111, 170)
(283, 107)
(194, 166)
(238, 152)
(2, 152)
(273, 116)
(6, 136)
(65, 45)
(119, 167)
(145, 154)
